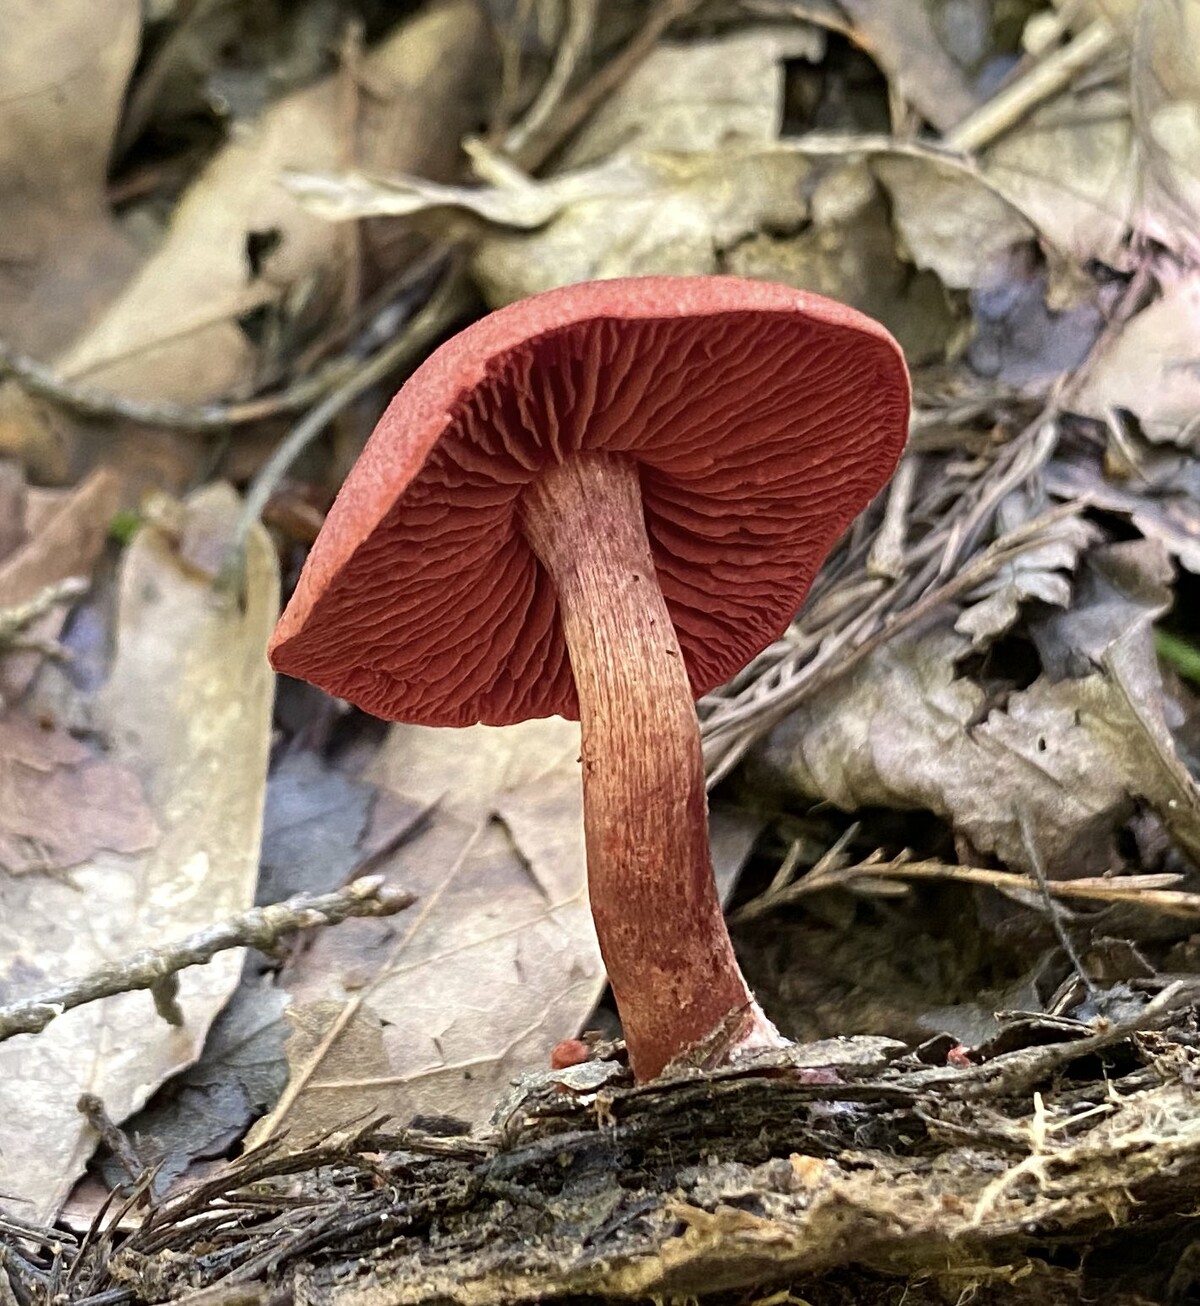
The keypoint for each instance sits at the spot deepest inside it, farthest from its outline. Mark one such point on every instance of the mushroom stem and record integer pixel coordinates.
(662, 934)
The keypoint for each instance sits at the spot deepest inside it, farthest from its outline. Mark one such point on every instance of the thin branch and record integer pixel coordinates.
(1038, 83)
(1149, 891)
(16, 620)
(90, 401)
(449, 302)
(261, 927)
(573, 112)
(1029, 839)
(581, 22)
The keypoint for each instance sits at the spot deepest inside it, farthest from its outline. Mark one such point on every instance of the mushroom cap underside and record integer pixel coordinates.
(762, 420)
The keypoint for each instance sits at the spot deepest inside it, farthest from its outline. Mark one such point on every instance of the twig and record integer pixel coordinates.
(574, 111)
(16, 620)
(261, 927)
(448, 303)
(1028, 838)
(38, 379)
(581, 22)
(349, 75)
(91, 1106)
(1044, 79)
(511, 40)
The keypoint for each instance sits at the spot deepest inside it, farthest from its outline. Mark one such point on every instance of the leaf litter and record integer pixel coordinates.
(185, 853)
(433, 1014)
(971, 782)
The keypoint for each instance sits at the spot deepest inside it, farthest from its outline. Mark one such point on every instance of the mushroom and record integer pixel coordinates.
(602, 502)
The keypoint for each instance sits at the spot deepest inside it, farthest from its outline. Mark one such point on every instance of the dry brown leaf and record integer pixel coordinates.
(1069, 169)
(847, 249)
(699, 97)
(1153, 368)
(1165, 84)
(674, 169)
(63, 69)
(1166, 511)
(495, 963)
(905, 730)
(903, 41)
(187, 710)
(498, 959)
(61, 535)
(60, 803)
(682, 172)
(671, 214)
(950, 221)
(1042, 573)
(353, 1067)
(173, 333)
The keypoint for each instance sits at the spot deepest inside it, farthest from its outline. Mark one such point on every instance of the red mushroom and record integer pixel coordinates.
(602, 502)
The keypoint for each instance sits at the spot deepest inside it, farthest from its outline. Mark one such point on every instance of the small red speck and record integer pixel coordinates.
(957, 1056)
(819, 1075)
(570, 1052)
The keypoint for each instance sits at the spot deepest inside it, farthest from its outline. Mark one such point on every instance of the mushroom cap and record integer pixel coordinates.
(763, 419)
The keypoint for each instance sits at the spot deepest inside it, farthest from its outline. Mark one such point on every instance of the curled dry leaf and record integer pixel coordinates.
(904, 43)
(907, 731)
(1069, 169)
(187, 710)
(657, 183)
(64, 70)
(667, 169)
(1042, 573)
(847, 249)
(1166, 510)
(951, 221)
(699, 97)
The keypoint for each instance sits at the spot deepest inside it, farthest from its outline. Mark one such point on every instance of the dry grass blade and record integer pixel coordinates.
(1151, 892)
